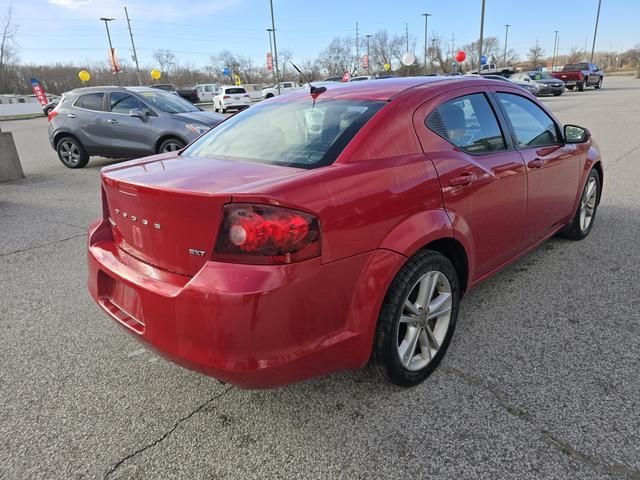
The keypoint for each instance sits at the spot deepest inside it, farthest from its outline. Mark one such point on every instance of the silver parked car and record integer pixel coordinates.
(123, 122)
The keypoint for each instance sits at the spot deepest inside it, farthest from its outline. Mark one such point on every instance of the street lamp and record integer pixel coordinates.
(481, 35)
(506, 37)
(106, 21)
(426, 20)
(273, 71)
(368, 56)
(555, 51)
(595, 31)
(275, 47)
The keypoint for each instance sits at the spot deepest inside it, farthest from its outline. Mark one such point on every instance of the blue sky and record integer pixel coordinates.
(69, 30)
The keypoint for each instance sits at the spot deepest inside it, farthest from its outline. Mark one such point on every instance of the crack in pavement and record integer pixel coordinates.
(550, 438)
(166, 434)
(43, 245)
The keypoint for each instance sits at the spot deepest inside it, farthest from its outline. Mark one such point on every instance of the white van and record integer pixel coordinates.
(206, 91)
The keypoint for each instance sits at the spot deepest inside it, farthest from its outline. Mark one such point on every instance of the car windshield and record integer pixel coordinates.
(295, 133)
(576, 66)
(539, 76)
(167, 102)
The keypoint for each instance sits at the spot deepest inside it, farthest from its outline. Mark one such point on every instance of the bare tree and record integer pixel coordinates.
(439, 55)
(385, 49)
(490, 48)
(285, 56)
(166, 60)
(338, 57)
(8, 52)
(535, 56)
(575, 55)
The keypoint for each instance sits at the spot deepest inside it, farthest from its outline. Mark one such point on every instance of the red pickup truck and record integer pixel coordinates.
(581, 75)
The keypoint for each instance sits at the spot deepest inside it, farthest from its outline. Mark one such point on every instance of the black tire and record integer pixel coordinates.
(222, 109)
(599, 84)
(582, 85)
(575, 230)
(385, 357)
(71, 153)
(170, 145)
(269, 95)
(570, 87)
(557, 94)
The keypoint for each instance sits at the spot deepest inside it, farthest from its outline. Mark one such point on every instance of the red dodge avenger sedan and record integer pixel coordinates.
(323, 231)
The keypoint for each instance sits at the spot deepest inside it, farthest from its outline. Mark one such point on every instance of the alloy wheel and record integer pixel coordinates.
(69, 152)
(171, 147)
(424, 320)
(588, 203)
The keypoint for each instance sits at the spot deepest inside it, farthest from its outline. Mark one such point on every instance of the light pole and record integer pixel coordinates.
(273, 71)
(426, 20)
(506, 37)
(133, 45)
(481, 35)
(106, 21)
(275, 46)
(595, 31)
(368, 56)
(555, 52)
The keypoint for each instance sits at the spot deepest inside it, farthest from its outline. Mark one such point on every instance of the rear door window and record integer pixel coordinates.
(532, 126)
(469, 123)
(235, 91)
(91, 101)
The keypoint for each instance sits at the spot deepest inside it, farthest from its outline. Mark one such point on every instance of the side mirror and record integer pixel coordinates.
(138, 113)
(575, 134)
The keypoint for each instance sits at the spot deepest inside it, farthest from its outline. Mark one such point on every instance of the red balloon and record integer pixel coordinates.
(460, 56)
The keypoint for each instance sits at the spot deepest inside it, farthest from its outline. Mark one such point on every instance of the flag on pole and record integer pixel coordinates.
(39, 91)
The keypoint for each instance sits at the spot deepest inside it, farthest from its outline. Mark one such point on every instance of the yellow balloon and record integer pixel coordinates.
(155, 74)
(387, 67)
(84, 75)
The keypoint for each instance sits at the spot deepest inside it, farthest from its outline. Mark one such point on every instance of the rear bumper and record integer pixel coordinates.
(250, 325)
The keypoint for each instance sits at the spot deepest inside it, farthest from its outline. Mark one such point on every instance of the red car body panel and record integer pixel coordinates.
(392, 191)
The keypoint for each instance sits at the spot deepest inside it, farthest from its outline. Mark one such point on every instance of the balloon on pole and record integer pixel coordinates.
(226, 71)
(387, 66)
(156, 74)
(84, 76)
(461, 56)
(483, 60)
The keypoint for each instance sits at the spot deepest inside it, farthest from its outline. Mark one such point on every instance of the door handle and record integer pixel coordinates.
(536, 163)
(112, 121)
(71, 115)
(463, 180)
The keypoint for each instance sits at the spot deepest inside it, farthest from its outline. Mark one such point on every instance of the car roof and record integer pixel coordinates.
(386, 90)
(107, 88)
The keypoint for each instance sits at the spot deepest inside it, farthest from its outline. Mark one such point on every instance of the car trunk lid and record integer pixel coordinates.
(167, 211)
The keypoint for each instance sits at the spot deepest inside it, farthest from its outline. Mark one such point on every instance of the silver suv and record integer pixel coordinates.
(123, 122)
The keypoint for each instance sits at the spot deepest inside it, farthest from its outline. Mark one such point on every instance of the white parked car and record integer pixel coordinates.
(231, 98)
(206, 91)
(362, 77)
(285, 87)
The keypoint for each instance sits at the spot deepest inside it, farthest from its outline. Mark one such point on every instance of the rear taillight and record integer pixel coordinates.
(265, 234)
(225, 97)
(51, 115)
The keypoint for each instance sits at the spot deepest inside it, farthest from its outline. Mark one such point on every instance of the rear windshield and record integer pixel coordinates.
(576, 66)
(295, 133)
(235, 90)
(539, 75)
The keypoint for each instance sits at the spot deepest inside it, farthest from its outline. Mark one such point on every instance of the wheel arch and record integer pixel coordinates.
(456, 253)
(64, 133)
(597, 166)
(167, 136)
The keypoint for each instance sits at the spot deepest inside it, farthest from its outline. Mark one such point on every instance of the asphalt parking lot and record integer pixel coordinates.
(541, 380)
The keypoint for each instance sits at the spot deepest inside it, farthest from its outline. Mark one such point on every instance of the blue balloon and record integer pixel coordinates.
(483, 60)
(226, 71)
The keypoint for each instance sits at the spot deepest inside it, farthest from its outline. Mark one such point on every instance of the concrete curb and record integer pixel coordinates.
(10, 166)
